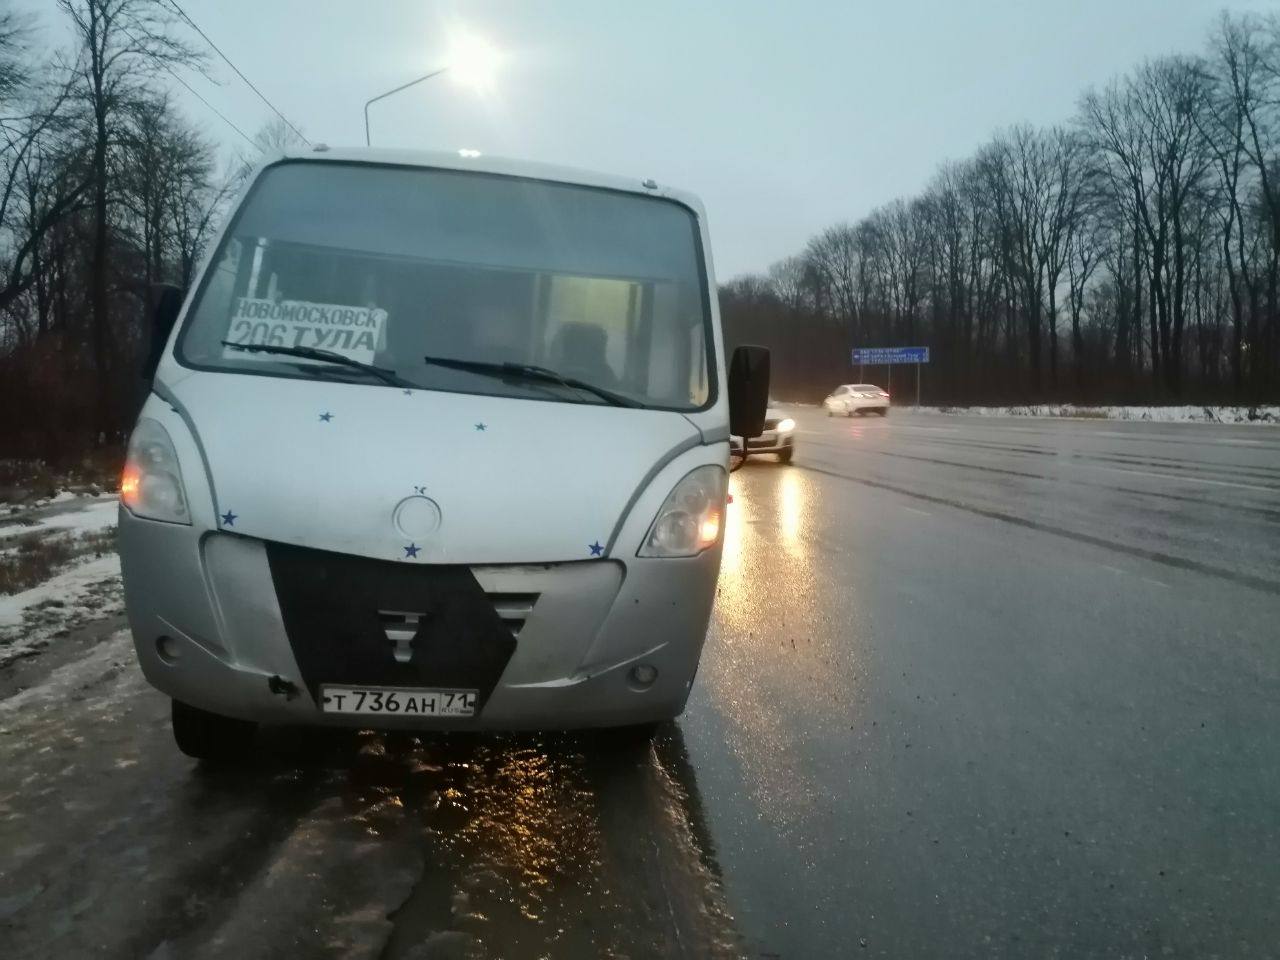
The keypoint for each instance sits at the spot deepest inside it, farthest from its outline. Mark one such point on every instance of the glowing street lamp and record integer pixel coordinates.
(473, 61)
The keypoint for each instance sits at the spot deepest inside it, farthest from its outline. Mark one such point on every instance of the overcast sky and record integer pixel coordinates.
(784, 116)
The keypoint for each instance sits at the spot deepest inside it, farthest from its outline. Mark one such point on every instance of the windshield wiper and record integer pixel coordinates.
(529, 371)
(327, 356)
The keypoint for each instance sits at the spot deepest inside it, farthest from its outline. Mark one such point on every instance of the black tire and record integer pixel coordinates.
(884, 411)
(829, 413)
(210, 736)
(785, 456)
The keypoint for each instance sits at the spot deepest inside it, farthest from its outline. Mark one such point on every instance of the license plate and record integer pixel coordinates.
(398, 701)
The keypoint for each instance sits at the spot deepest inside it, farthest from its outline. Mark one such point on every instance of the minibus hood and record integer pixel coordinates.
(421, 475)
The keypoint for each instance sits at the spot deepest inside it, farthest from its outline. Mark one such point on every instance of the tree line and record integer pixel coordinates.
(1130, 254)
(107, 190)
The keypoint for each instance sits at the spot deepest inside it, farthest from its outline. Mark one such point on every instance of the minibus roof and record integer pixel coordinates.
(505, 166)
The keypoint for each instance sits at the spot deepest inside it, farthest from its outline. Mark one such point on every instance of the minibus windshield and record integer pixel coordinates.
(388, 265)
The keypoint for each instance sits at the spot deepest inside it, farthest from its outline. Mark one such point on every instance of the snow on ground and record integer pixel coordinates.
(84, 591)
(20, 500)
(99, 514)
(66, 679)
(1184, 414)
(87, 588)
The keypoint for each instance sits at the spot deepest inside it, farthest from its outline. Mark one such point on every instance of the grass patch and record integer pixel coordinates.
(35, 558)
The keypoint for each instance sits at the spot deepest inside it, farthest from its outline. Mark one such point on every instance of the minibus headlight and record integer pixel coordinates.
(786, 424)
(151, 486)
(691, 517)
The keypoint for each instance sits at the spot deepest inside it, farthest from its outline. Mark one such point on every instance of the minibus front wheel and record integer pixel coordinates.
(210, 736)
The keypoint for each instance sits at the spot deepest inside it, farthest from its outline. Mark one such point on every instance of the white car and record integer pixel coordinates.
(851, 398)
(778, 436)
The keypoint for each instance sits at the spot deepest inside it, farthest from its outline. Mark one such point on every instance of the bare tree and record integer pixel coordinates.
(273, 138)
(41, 181)
(120, 45)
(835, 257)
(1147, 131)
(1086, 245)
(1235, 69)
(1151, 220)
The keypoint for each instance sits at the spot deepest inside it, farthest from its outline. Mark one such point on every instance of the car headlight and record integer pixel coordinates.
(151, 486)
(690, 519)
(785, 424)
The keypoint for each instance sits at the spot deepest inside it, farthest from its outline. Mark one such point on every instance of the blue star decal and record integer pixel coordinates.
(412, 550)
(596, 549)
(228, 519)
(419, 489)
(482, 427)
(326, 416)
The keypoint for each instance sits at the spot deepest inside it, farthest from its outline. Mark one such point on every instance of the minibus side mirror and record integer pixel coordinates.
(748, 391)
(168, 302)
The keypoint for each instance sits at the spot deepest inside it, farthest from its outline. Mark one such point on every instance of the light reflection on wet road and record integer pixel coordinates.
(767, 649)
(351, 845)
(965, 694)
(979, 699)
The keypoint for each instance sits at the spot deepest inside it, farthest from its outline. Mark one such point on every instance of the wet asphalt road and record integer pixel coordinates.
(991, 688)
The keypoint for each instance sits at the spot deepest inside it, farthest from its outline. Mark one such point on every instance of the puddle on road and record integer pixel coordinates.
(779, 630)
(534, 846)
(331, 843)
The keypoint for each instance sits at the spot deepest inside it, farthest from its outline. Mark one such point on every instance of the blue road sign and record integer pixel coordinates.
(872, 356)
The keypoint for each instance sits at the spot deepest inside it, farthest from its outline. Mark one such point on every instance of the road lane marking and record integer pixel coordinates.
(923, 513)
(1174, 476)
(1070, 463)
(918, 427)
(991, 445)
(1156, 583)
(1210, 441)
(1107, 566)
(959, 463)
(1181, 465)
(1156, 556)
(1269, 513)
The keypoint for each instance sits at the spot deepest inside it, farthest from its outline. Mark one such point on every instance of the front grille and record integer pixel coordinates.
(400, 627)
(761, 442)
(513, 608)
(359, 621)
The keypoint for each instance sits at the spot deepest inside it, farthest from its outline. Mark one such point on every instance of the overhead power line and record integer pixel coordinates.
(247, 139)
(194, 26)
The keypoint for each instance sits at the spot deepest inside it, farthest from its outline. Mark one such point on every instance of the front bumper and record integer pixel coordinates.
(225, 648)
(771, 441)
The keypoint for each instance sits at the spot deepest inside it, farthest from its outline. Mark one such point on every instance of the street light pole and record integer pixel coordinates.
(381, 96)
